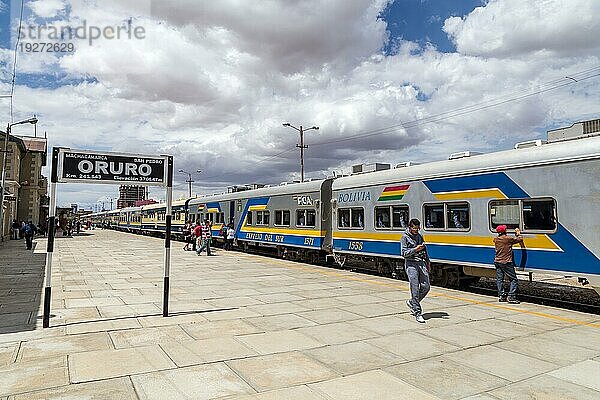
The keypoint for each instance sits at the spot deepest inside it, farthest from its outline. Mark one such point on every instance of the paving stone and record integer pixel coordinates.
(445, 378)
(573, 335)
(279, 341)
(385, 325)
(100, 326)
(354, 357)
(219, 328)
(545, 387)
(28, 376)
(244, 312)
(371, 310)
(173, 319)
(376, 385)
(328, 316)
(461, 336)
(192, 352)
(8, 354)
(504, 329)
(548, 350)
(412, 345)
(64, 345)
(114, 389)
(585, 373)
(322, 303)
(14, 319)
(280, 322)
(198, 382)
(93, 302)
(277, 308)
(103, 364)
(337, 333)
(147, 336)
(294, 393)
(281, 370)
(502, 363)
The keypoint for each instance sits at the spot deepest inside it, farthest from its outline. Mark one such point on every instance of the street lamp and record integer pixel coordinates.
(301, 145)
(32, 121)
(189, 181)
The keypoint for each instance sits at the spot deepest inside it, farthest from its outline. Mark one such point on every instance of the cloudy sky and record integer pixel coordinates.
(211, 82)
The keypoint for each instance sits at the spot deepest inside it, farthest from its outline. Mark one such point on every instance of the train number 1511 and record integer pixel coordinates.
(355, 246)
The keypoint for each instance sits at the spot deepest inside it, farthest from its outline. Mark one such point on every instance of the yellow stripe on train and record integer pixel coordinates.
(533, 242)
(471, 194)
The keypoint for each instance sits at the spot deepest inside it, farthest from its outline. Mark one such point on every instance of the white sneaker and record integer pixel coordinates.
(420, 319)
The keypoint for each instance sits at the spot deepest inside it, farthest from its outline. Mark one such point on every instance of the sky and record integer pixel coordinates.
(211, 83)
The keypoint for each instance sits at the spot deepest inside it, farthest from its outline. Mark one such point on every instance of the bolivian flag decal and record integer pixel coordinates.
(393, 193)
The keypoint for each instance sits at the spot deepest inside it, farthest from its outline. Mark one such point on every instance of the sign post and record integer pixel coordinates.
(83, 166)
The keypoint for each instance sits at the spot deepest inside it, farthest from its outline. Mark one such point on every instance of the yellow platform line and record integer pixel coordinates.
(439, 294)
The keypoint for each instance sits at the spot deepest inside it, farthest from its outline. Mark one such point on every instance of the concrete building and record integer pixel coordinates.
(129, 194)
(26, 189)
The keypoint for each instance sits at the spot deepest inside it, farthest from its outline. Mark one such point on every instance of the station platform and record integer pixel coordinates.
(255, 328)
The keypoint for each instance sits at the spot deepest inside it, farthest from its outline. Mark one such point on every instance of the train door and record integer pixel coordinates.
(231, 212)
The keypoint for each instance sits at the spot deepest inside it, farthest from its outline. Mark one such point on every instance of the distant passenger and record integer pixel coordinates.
(503, 261)
(187, 235)
(417, 265)
(15, 229)
(230, 237)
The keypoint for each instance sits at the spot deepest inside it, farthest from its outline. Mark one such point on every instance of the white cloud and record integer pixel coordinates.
(513, 28)
(46, 8)
(212, 84)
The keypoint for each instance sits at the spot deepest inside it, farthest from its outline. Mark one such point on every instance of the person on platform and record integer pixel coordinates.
(187, 235)
(503, 261)
(28, 232)
(416, 264)
(206, 235)
(15, 229)
(230, 236)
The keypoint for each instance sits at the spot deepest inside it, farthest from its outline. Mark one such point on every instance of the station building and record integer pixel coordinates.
(26, 190)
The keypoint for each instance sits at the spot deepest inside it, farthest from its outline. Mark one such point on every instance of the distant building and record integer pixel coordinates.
(25, 194)
(129, 194)
(144, 202)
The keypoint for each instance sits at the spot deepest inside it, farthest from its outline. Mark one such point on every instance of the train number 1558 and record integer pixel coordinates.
(355, 246)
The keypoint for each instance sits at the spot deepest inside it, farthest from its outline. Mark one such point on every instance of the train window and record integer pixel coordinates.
(239, 206)
(357, 218)
(457, 215)
(311, 217)
(382, 218)
(399, 217)
(434, 216)
(505, 212)
(539, 215)
(249, 218)
(344, 218)
(265, 218)
(282, 217)
(259, 218)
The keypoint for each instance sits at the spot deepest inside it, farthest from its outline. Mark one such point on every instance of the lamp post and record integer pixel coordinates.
(189, 181)
(32, 121)
(301, 145)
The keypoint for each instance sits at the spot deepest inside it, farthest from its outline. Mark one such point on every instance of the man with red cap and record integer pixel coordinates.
(504, 263)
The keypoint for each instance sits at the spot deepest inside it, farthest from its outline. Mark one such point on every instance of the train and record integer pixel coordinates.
(550, 190)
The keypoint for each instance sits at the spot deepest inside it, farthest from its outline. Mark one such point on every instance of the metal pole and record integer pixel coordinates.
(168, 236)
(2, 188)
(51, 233)
(190, 184)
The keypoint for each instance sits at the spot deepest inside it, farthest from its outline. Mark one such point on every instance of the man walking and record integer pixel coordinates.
(416, 264)
(15, 229)
(503, 261)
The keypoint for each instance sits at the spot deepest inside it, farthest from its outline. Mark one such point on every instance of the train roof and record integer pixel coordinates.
(558, 152)
(290, 188)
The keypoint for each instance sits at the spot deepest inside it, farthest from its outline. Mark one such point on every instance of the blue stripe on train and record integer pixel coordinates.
(576, 257)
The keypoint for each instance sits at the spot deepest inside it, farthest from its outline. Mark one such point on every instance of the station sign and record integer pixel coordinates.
(103, 167)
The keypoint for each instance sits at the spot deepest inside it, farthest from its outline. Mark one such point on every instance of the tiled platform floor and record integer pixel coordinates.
(248, 327)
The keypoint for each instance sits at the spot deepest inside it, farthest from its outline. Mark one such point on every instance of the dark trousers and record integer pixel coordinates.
(507, 269)
(29, 241)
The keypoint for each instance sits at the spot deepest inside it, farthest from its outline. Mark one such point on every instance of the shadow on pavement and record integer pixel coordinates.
(437, 314)
(21, 282)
